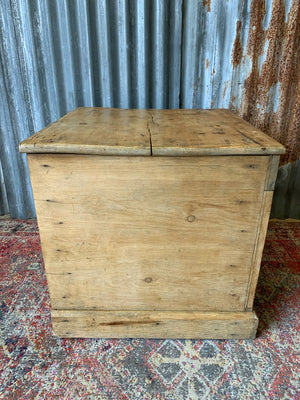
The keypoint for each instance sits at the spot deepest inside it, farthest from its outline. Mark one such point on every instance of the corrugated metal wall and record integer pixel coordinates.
(57, 55)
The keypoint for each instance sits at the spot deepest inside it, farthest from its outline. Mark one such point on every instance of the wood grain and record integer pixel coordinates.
(258, 247)
(206, 132)
(102, 131)
(148, 233)
(108, 131)
(158, 325)
(272, 172)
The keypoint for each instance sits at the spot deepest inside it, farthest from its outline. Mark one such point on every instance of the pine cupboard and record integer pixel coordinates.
(152, 222)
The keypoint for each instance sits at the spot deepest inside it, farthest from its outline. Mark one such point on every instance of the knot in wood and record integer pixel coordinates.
(191, 218)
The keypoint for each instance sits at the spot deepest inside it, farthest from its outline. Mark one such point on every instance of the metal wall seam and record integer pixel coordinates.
(46, 77)
(190, 52)
(140, 57)
(65, 66)
(82, 46)
(101, 58)
(174, 65)
(120, 53)
(159, 54)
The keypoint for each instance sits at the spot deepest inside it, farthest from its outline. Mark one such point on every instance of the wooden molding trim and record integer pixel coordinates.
(154, 324)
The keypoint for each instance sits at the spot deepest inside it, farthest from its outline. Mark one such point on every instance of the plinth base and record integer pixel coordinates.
(154, 324)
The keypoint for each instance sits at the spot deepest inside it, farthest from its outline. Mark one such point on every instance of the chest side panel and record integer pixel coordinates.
(148, 233)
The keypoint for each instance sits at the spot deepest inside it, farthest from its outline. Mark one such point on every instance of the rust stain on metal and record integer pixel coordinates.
(256, 36)
(208, 4)
(271, 98)
(289, 77)
(237, 51)
(207, 63)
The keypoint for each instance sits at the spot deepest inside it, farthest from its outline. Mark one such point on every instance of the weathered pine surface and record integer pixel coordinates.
(163, 246)
(102, 131)
(148, 233)
(159, 324)
(109, 131)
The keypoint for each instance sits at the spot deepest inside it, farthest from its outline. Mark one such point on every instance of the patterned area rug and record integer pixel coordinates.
(36, 365)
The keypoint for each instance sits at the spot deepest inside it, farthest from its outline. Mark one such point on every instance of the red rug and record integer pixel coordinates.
(36, 365)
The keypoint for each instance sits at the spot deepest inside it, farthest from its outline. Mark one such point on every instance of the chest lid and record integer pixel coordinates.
(112, 131)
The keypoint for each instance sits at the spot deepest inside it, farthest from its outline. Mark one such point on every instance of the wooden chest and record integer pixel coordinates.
(152, 222)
